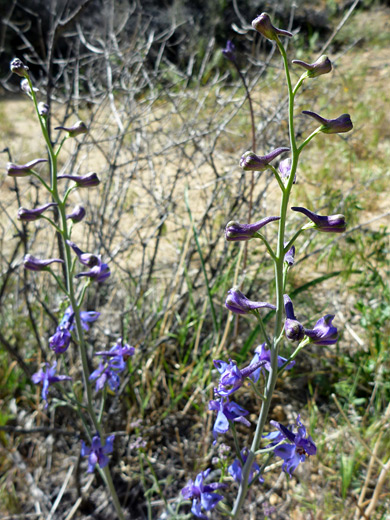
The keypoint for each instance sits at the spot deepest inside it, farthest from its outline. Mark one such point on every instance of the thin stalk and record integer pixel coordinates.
(279, 282)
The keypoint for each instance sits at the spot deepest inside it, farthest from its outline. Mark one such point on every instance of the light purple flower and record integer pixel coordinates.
(298, 447)
(89, 180)
(264, 26)
(339, 125)
(285, 169)
(86, 317)
(232, 378)
(252, 162)
(227, 411)
(263, 355)
(323, 332)
(238, 303)
(77, 214)
(229, 51)
(46, 378)
(114, 361)
(25, 86)
(321, 66)
(289, 257)
(35, 264)
(331, 224)
(22, 170)
(235, 469)
(29, 215)
(43, 109)
(201, 494)
(19, 68)
(77, 129)
(293, 329)
(236, 232)
(97, 454)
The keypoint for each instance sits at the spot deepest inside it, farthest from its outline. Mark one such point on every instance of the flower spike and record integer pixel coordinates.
(252, 162)
(264, 26)
(339, 125)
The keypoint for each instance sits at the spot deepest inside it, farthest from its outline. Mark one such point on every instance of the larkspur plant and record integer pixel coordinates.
(74, 321)
(292, 447)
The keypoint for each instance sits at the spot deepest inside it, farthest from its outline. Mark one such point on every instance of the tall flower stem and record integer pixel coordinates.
(279, 285)
(71, 293)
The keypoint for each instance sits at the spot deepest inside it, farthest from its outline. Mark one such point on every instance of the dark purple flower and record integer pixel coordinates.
(263, 355)
(339, 125)
(240, 304)
(22, 170)
(99, 271)
(229, 51)
(252, 162)
(235, 469)
(321, 66)
(331, 224)
(77, 129)
(236, 232)
(232, 378)
(89, 180)
(264, 26)
(323, 332)
(296, 449)
(77, 214)
(293, 329)
(46, 378)
(86, 317)
(35, 264)
(28, 215)
(60, 341)
(285, 169)
(227, 411)
(289, 257)
(97, 454)
(202, 495)
(19, 68)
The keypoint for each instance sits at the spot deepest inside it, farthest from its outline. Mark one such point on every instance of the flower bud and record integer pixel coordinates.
(331, 224)
(19, 68)
(236, 232)
(238, 303)
(77, 214)
(339, 125)
(293, 329)
(77, 129)
(89, 180)
(264, 26)
(229, 51)
(43, 109)
(22, 170)
(289, 257)
(322, 66)
(29, 215)
(25, 86)
(35, 264)
(252, 162)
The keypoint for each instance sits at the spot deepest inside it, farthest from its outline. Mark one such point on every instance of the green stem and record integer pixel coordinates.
(308, 139)
(279, 282)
